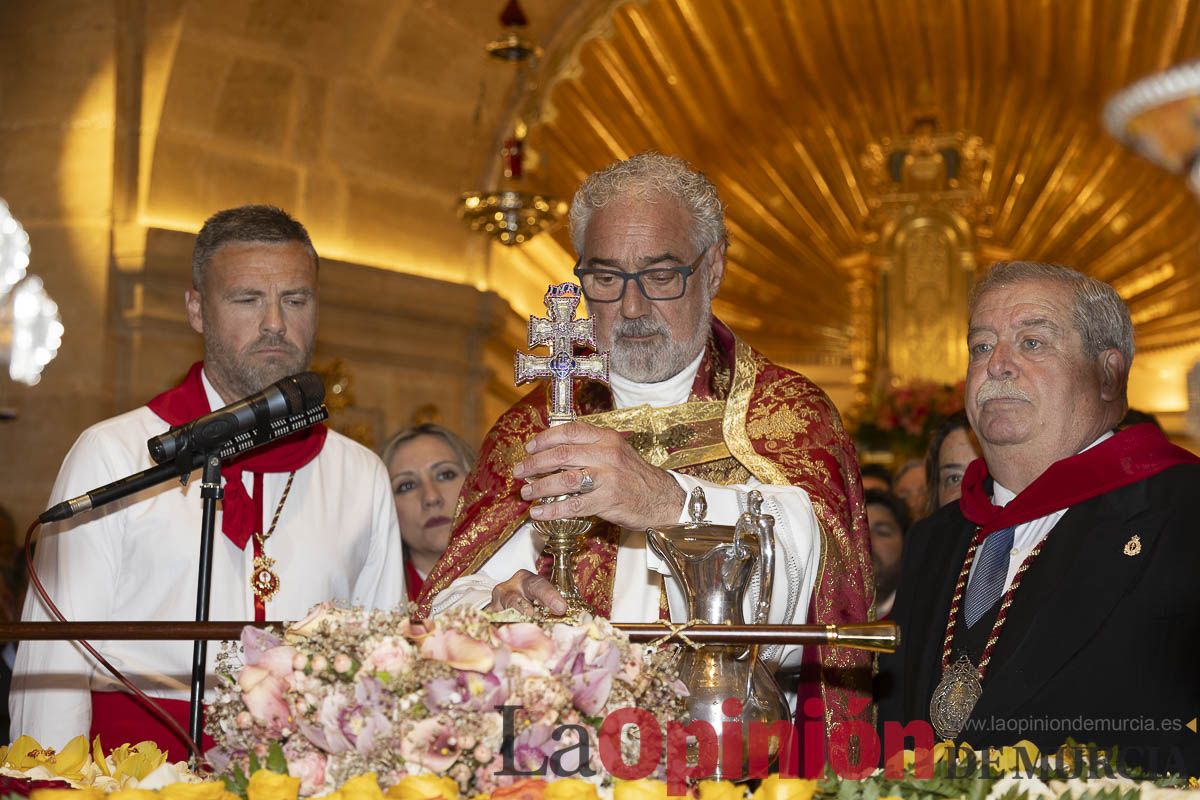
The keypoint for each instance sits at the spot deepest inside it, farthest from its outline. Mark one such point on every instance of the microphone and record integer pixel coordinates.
(292, 395)
(161, 473)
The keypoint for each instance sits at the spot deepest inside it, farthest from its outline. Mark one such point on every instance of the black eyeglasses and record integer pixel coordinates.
(658, 283)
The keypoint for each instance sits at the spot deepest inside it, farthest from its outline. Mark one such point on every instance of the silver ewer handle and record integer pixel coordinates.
(764, 528)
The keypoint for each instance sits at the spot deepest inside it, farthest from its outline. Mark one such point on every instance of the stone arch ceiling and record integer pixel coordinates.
(365, 118)
(777, 99)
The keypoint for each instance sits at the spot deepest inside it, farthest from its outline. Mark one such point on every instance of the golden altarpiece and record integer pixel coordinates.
(924, 191)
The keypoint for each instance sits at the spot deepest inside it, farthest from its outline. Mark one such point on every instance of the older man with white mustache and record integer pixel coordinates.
(1056, 599)
(690, 405)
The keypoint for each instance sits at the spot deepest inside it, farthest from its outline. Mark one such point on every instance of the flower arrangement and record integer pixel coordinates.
(466, 695)
(903, 418)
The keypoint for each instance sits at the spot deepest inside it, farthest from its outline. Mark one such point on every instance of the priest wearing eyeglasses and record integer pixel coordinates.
(690, 404)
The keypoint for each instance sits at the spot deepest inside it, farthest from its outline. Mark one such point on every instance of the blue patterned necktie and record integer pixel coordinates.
(991, 569)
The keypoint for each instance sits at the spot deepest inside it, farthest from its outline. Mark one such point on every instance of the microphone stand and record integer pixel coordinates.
(210, 493)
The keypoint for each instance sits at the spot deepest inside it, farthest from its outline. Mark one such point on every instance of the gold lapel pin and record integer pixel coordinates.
(1133, 546)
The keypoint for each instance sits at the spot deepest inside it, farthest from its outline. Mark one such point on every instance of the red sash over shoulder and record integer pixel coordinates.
(778, 425)
(1129, 456)
(239, 512)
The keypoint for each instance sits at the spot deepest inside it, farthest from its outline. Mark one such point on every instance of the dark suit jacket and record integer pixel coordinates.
(1099, 646)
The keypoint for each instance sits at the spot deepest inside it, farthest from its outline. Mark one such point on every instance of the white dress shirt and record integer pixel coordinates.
(137, 559)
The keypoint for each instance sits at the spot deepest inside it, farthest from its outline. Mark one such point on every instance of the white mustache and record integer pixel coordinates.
(639, 326)
(999, 390)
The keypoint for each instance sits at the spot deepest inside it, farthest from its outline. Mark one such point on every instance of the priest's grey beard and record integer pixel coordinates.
(658, 359)
(245, 373)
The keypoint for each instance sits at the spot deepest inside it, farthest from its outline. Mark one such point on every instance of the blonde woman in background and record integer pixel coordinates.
(427, 465)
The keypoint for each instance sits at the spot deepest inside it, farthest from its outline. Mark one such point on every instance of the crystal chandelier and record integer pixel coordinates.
(508, 214)
(30, 328)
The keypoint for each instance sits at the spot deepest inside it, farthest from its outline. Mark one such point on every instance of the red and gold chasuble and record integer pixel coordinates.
(746, 417)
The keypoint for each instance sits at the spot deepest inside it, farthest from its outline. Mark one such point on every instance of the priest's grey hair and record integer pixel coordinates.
(650, 176)
(1100, 315)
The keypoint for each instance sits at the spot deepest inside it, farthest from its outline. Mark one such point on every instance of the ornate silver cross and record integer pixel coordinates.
(560, 330)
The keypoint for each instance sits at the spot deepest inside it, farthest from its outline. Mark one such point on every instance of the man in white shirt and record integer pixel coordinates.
(689, 405)
(1056, 598)
(305, 519)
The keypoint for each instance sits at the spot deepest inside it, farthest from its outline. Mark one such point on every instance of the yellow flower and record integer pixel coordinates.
(362, 787)
(1011, 760)
(569, 789)
(98, 758)
(87, 793)
(424, 787)
(21, 754)
(208, 790)
(267, 785)
(25, 754)
(133, 794)
(774, 787)
(639, 790)
(136, 761)
(721, 790)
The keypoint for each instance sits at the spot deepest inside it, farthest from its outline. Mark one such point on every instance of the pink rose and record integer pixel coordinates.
(458, 650)
(310, 769)
(390, 655)
(527, 639)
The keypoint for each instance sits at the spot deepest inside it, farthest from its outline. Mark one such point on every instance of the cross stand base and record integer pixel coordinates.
(210, 493)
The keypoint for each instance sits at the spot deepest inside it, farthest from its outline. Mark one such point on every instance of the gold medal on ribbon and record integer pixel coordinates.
(954, 698)
(263, 579)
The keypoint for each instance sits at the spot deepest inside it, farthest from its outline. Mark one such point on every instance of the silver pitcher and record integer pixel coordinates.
(713, 565)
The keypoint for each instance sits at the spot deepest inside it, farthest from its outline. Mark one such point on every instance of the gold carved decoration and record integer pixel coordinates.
(926, 217)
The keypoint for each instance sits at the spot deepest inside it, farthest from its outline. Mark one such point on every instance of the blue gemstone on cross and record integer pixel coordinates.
(562, 365)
